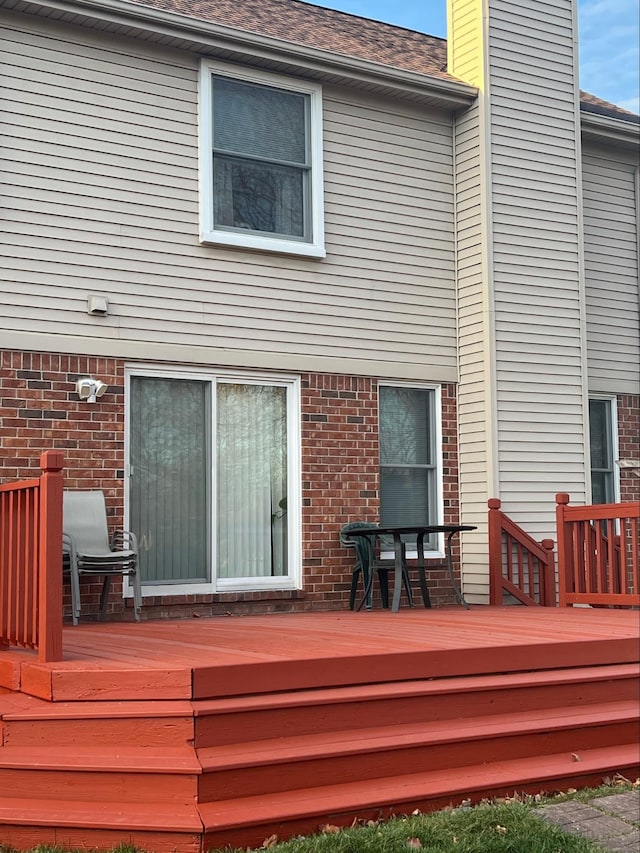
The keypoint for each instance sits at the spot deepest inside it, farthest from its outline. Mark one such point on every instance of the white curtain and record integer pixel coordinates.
(251, 480)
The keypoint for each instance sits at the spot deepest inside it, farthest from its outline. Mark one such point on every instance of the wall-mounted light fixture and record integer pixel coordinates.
(90, 389)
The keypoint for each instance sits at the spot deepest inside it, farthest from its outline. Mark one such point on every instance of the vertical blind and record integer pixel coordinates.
(170, 505)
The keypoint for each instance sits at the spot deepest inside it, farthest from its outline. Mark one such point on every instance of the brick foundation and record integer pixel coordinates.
(39, 409)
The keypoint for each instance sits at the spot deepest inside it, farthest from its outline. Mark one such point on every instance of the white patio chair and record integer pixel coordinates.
(88, 550)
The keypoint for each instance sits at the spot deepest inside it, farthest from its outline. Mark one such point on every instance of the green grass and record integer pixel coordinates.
(507, 826)
(493, 828)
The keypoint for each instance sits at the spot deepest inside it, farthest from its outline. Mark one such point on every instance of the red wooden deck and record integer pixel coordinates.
(187, 735)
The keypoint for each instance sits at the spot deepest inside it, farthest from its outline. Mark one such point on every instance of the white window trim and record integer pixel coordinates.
(615, 451)
(294, 497)
(313, 248)
(439, 552)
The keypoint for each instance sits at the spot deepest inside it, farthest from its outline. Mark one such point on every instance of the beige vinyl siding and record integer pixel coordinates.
(466, 60)
(474, 404)
(522, 353)
(100, 195)
(539, 316)
(611, 272)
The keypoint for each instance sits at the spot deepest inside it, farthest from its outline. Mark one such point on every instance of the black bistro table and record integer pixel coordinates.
(420, 531)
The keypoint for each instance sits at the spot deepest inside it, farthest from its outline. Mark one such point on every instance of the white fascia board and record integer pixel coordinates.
(450, 93)
(607, 129)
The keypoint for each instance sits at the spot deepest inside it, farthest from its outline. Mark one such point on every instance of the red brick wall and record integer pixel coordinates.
(39, 409)
(629, 444)
(340, 480)
(339, 477)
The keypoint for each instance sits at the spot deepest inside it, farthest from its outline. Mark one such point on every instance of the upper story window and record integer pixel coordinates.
(260, 161)
(602, 434)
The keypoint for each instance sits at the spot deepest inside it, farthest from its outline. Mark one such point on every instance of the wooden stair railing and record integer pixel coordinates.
(31, 561)
(518, 565)
(598, 553)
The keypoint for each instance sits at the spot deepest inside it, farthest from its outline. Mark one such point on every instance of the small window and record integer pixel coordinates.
(261, 162)
(602, 439)
(409, 493)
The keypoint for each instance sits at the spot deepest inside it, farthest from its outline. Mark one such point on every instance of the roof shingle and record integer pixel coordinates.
(343, 34)
(592, 104)
(326, 29)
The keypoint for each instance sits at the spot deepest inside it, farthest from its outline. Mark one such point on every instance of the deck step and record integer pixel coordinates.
(267, 716)
(246, 821)
(376, 752)
(183, 817)
(134, 774)
(27, 720)
(136, 759)
(27, 822)
(156, 723)
(377, 738)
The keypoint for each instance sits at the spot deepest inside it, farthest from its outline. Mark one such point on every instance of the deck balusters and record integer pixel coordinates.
(31, 561)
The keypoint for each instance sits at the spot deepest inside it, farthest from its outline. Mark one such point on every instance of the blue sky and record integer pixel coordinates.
(609, 38)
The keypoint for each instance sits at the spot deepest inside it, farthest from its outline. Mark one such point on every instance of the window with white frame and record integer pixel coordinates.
(603, 441)
(260, 161)
(410, 467)
(213, 489)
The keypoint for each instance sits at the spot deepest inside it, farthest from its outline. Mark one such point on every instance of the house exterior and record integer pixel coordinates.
(329, 269)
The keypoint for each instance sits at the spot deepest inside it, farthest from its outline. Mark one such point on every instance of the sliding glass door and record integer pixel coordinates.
(213, 473)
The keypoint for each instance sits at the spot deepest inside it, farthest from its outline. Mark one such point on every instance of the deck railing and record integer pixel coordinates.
(519, 566)
(31, 561)
(598, 553)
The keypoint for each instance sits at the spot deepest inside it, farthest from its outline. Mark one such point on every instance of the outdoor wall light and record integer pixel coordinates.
(90, 389)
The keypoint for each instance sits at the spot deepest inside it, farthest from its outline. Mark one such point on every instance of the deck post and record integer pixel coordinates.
(563, 533)
(50, 557)
(495, 552)
(548, 575)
